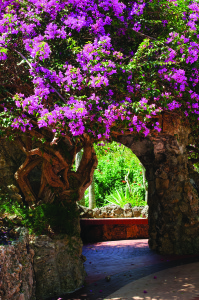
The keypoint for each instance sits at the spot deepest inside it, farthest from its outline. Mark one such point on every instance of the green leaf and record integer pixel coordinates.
(4, 50)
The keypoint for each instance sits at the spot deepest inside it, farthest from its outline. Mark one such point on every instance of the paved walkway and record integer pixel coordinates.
(136, 272)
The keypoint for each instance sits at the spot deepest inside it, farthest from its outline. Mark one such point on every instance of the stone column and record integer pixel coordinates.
(58, 263)
(173, 201)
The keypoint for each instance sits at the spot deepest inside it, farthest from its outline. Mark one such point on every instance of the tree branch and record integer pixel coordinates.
(21, 145)
(27, 61)
(144, 35)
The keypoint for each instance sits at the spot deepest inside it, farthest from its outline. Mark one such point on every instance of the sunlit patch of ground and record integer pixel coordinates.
(179, 283)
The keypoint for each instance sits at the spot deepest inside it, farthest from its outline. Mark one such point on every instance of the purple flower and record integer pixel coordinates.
(164, 22)
(80, 89)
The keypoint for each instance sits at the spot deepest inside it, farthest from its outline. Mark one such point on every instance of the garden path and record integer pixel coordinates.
(136, 273)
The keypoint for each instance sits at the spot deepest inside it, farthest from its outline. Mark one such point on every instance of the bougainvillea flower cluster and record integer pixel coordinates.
(98, 66)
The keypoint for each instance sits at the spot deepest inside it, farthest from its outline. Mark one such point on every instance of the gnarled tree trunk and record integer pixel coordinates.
(58, 178)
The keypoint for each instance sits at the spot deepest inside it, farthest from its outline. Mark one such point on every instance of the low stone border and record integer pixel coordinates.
(39, 267)
(17, 275)
(114, 211)
(109, 229)
(58, 265)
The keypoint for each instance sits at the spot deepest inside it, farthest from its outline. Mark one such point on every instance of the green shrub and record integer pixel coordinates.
(60, 218)
(121, 197)
(32, 219)
(114, 162)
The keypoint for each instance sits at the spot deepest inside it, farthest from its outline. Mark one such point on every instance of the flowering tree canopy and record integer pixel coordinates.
(76, 71)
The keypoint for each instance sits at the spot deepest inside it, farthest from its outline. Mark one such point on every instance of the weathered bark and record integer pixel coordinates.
(58, 178)
(172, 200)
(21, 177)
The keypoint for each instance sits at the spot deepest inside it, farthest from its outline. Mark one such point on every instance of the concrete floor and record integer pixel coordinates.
(136, 272)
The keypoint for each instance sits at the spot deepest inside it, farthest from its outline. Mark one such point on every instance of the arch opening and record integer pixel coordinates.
(118, 179)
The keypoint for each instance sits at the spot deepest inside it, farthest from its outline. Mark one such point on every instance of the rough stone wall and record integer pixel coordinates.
(114, 211)
(173, 202)
(58, 264)
(39, 267)
(17, 274)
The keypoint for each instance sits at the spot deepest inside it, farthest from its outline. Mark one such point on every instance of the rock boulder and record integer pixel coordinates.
(113, 211)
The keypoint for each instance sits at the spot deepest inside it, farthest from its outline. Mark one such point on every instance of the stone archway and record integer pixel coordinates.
(172, 200)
